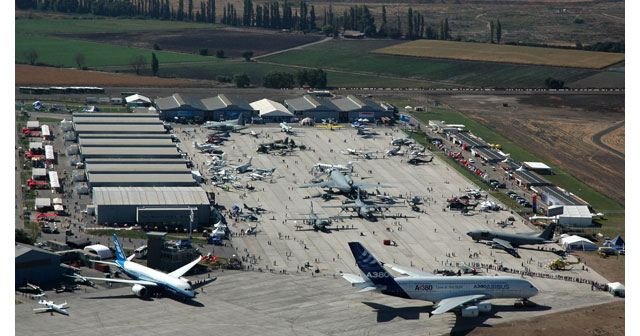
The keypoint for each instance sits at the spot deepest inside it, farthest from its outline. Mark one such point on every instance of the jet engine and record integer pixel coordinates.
(139, 290)
(484, 307)
(471, 311)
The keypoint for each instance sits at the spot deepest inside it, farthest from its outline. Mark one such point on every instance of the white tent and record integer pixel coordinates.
(616, 289)
(137, 99)
(270, 108)
(102, 251)
(577, 243)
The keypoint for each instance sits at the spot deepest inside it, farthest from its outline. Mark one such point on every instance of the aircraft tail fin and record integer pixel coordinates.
(370, 267)
(373, 272)
(119, 251)
(547, 234)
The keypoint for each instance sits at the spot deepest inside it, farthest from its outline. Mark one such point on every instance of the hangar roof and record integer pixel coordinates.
(352, 103)
(308, 102)
(107, 128)
(224, 102)
(150, 196)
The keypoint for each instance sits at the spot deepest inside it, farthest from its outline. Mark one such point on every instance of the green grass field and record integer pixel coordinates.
(503, 53)
(356, 56)
(101, 25)
(56, 51)
(256, 71)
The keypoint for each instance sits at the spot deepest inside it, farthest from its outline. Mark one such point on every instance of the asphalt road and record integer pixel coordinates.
(597, 138)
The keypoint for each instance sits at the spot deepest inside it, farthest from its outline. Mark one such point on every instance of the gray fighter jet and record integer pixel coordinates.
(343, 183)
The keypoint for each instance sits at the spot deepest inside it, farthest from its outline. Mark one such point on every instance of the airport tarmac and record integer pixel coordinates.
(309, 303)
(431, 240)
(255, 303)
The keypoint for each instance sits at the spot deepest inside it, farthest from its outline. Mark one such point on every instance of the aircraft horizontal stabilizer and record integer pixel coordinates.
(367, 289)
(205, 282)
(352, 278)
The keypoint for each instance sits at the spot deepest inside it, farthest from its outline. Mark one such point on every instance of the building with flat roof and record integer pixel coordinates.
(124, 179)
(144, 142)
(157, 161)
(223, 107)
(358, 108)
(315, 108)
(115, 115)
(81, 129)
(272, 111)
(488, 155)
(129, 152)
(526, 178)
(136, 168)
(126, 136)
(112, 121)
(538, 167)
(123, 204)
(552, 195)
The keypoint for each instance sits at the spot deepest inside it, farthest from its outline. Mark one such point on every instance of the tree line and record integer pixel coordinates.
(273, 15)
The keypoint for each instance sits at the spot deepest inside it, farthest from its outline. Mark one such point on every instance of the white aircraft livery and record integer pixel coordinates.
(147, 277)
(446, 292)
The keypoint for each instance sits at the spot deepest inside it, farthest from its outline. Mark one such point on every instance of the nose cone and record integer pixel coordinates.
(534, 291)
(471, 234)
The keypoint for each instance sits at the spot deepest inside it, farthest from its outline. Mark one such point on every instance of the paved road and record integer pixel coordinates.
(597, 138)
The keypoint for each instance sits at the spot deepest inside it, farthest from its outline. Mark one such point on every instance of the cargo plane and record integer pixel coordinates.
(510, 241)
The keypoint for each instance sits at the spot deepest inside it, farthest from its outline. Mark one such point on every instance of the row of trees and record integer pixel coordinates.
(266, 15)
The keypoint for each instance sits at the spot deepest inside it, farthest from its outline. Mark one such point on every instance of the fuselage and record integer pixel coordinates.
(437, 288)
(164, 280)
(513, 238)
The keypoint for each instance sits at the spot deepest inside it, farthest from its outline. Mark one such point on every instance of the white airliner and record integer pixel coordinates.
(448, 293)
(51, 306)
(147, 277)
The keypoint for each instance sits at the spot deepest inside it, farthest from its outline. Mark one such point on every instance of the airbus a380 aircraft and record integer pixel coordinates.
(447, 293)
(147, 277)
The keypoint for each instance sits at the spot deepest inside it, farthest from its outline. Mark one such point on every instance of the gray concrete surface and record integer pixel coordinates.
(307, 303)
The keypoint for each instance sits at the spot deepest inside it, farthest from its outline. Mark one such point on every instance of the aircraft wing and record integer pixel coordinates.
(131, 282)
(108, 263)
(327, 184)
(40, 310)
(447, 304)
(505, 244)
(410, 271)
(369, 185)
(184, 269)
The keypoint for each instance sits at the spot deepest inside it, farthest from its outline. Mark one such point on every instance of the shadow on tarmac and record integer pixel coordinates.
(462, 325)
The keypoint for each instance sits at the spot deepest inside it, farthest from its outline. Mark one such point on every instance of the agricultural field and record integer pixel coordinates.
(256, 71)
(355, 56)
(499, 53)
(62, 52)
(27, 75)
(97, 24)
(604, 79)
(233, 41)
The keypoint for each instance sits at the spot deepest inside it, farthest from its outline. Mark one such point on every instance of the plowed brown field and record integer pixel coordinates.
(45, 76)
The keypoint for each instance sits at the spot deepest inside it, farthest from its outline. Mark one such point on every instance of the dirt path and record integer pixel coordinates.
(597, 138)
(294, 48)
